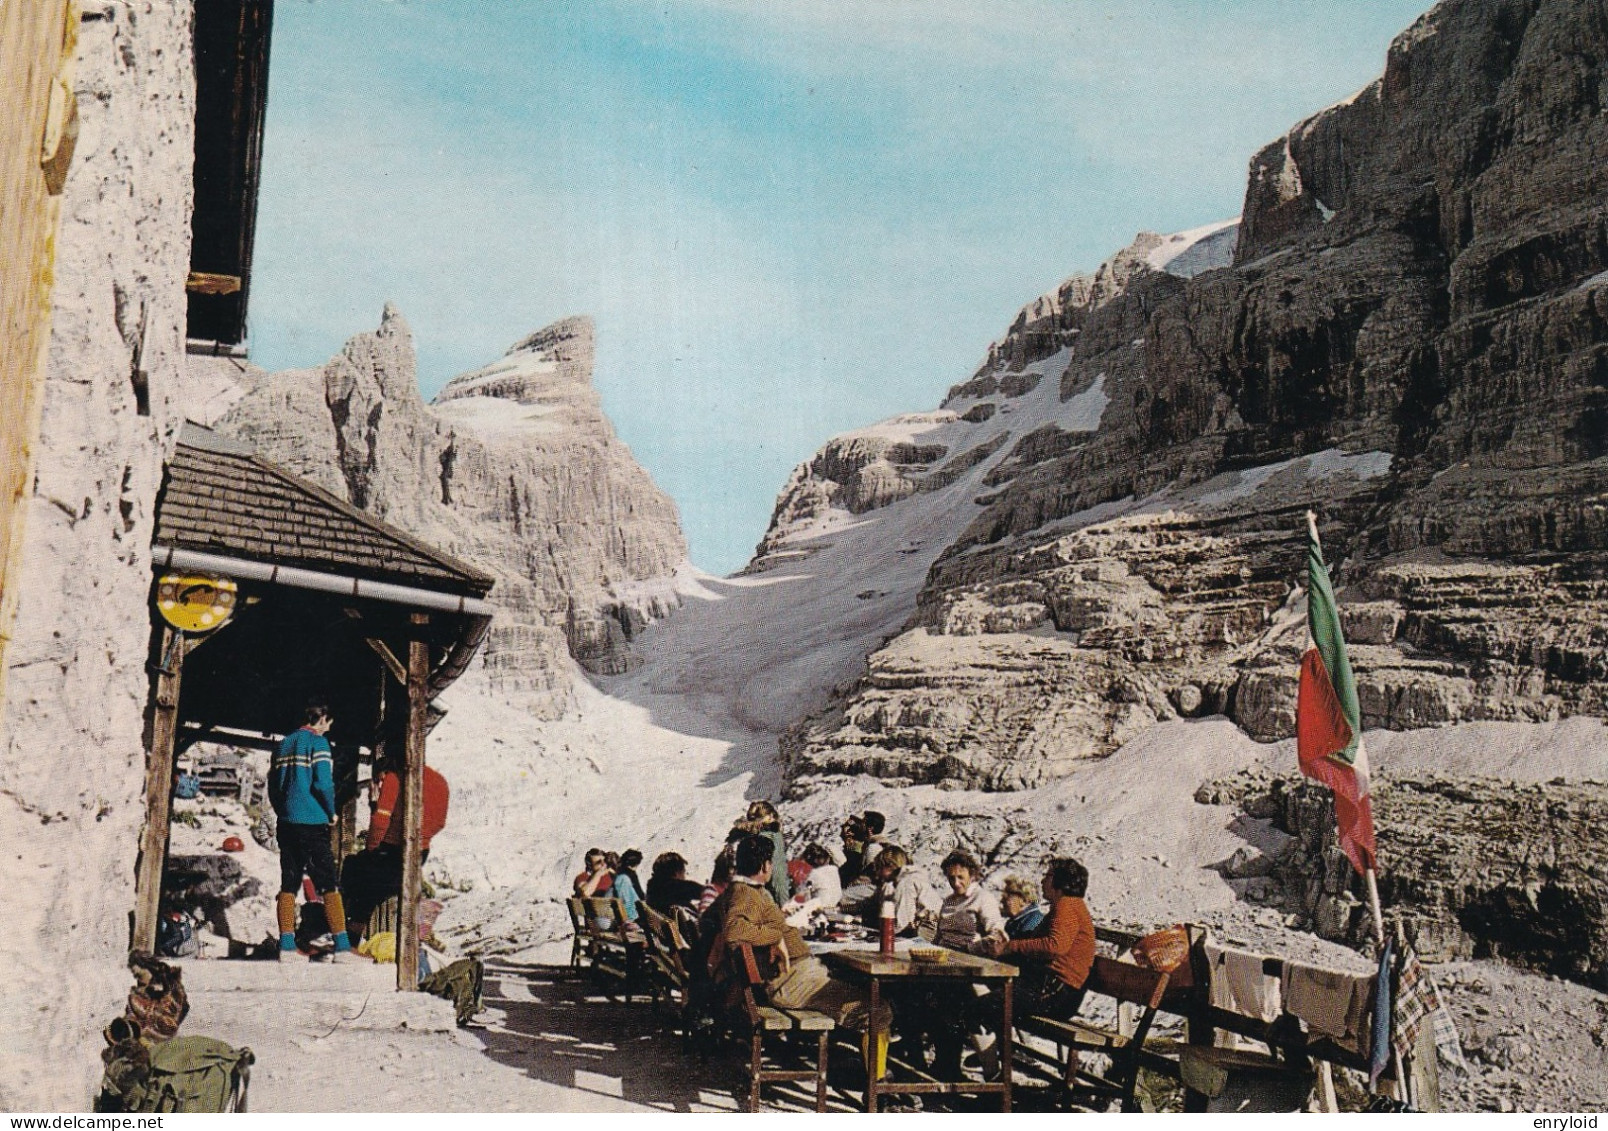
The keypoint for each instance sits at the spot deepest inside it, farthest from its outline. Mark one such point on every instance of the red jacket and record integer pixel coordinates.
(1065, 941)
(382, 831)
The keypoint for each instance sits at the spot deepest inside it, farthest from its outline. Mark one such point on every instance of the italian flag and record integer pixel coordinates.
(1328, 723)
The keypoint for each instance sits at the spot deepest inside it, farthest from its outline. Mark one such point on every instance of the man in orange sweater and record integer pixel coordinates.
(374, 875)
(1061, 951)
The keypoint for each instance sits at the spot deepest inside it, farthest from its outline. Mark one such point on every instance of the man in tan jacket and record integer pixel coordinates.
(745, 913)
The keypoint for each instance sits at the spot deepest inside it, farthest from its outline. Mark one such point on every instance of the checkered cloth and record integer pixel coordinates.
(1447, 1044)
(1417, 1001)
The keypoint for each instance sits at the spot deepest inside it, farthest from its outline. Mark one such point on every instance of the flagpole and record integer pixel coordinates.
(1371, 880)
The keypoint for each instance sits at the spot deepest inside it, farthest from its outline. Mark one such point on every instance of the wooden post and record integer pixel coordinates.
(38, 131)
(158, 792)
(345, 832)
(407, 942)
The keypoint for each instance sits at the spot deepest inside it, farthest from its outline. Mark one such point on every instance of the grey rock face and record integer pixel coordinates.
(514, 467)
(1476, 868)
(1410, 336)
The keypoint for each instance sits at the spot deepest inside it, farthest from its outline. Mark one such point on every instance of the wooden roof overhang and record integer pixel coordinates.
(327, 597)
(333, 605)
(231, 100)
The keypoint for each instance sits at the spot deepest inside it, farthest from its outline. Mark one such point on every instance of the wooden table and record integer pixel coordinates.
(958, 970)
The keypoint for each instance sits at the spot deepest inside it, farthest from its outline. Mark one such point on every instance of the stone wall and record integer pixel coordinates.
(71, 751)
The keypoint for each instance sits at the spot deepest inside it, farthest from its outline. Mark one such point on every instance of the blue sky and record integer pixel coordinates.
(789, 218)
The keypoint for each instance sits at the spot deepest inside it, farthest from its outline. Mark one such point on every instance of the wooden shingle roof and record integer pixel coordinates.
(222, 498)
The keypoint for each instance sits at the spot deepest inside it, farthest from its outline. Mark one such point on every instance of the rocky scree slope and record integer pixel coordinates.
(513, 467)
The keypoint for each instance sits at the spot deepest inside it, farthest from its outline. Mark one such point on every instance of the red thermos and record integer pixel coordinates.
(887, 928)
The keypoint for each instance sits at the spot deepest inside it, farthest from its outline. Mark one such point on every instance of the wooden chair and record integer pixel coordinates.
(753, 1019)
(615, 951)
(578, 947)
(1123, 982)
(668, 955)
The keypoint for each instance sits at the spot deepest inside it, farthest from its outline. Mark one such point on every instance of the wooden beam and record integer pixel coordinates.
(392, 664)
(210, 283)
(38, 128)
(158, 792)
(407, 943)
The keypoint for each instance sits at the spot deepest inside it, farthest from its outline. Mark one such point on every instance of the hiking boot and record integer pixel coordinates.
(348, 958)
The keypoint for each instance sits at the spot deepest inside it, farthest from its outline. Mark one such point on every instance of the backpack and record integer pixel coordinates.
(175, 937)
(185, 1074)
(188, 1073)
(461, 981)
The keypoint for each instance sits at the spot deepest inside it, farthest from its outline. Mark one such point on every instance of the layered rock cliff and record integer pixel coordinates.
(71, 746)
(514, 467)
(1408, 332)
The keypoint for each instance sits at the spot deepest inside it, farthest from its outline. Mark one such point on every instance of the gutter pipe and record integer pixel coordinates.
(172, 557)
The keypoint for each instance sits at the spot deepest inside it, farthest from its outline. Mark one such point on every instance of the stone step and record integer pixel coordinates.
(308, 998)
(250, 975)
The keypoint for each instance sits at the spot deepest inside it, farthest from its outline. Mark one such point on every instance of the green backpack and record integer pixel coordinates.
(185, 1074)
(461, 983)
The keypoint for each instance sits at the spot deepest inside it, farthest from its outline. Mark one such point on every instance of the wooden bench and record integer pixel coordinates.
(613, 949)
(1122, 982)
(1215, 1075)
(668, 957)
(753, 1019)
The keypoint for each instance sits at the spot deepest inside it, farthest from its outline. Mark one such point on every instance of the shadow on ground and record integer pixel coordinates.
(560, 1026)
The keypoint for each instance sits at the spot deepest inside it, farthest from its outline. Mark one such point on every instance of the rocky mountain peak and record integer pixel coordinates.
(1407, 332)
(513, 467)
(568, 339)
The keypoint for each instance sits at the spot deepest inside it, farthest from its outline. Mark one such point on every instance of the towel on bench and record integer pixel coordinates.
(1238, 984)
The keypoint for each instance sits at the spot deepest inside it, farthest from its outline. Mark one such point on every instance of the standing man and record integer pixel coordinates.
(374, 875)
(301, 789)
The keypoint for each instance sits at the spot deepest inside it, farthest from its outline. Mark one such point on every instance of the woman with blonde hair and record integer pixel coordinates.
(763, 820)
(898, 883)
(1019, 902)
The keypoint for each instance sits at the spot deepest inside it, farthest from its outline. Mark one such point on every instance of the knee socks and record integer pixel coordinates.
(335, 912)
(285, 909)
(874, 1051)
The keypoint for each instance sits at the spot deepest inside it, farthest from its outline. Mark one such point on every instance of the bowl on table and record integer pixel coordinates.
(929, 954)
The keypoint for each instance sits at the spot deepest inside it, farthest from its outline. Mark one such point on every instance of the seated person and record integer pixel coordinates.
(719, 879)
(1058, 956)
(852, 873)
(627, 888)
(968, 921)
(763, 819)
(374, 875)
(969, 918)
(898, 883)
(822, 886)
(595, 879)
(875, 841)
(745, 913)
(668, 886)
(820, 890)
(1020, 903)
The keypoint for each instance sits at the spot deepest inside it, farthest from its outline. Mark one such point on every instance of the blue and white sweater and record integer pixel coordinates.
(301, 780)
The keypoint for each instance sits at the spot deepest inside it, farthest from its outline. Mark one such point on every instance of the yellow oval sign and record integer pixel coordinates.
(195, 602)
